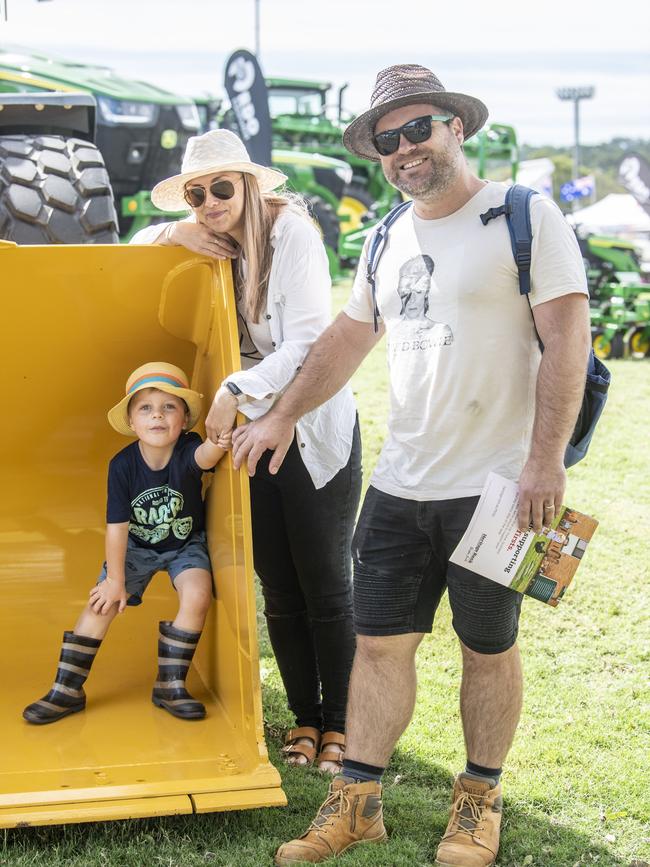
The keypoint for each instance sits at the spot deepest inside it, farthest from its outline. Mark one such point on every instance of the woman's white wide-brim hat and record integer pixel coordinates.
(216, 151)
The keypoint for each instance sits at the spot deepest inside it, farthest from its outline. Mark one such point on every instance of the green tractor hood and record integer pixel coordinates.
(29, 70)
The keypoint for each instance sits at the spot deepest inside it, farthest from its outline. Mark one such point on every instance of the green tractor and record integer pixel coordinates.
(620, 320)
(303, 119)
(321, 178)
(608, 260)
(141, 131)
(619, 300)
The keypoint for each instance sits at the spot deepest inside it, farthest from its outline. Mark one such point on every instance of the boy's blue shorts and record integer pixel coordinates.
(142, 564)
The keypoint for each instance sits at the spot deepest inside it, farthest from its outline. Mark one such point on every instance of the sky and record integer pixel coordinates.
(512, 55)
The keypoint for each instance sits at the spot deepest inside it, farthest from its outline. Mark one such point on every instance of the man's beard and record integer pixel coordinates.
(442, 169)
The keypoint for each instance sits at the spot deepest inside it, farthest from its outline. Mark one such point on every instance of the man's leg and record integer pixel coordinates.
(380, 705)
(381, 697)
(490, 704)
(485, 618)
(398, 581)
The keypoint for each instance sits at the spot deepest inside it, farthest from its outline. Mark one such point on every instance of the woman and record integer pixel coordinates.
(302, 516)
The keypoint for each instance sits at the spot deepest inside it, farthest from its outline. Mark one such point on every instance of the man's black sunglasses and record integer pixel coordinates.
(195, 196)
(415, 131)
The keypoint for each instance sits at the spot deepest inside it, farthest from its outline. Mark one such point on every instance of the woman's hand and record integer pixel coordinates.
(223, 412)
(199, 239)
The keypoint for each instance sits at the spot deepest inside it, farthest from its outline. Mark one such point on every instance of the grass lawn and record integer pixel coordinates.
(577, 779)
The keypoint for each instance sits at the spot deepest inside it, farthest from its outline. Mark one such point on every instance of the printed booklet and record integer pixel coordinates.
(538, 564)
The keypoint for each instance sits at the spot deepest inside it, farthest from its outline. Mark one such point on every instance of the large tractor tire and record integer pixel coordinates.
(355, 204)
(325, 216)
(54, 190)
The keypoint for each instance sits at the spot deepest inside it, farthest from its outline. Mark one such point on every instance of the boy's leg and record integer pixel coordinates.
(194, 587)
(94, 625)
(78, 652)
(177, 642)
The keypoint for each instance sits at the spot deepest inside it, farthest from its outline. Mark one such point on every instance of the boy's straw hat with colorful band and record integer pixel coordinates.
(160, 375)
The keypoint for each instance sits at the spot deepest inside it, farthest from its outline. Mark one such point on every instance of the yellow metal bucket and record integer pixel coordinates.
(75, 321)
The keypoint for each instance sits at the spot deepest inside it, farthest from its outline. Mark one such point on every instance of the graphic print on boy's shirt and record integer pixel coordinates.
(153, 515)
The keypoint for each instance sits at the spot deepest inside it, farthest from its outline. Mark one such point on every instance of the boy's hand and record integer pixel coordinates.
(224, 441)
(106, 594)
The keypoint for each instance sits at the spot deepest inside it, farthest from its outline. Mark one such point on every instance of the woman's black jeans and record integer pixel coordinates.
(302, 550)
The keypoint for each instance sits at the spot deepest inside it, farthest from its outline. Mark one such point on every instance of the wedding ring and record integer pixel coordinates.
(549, 505)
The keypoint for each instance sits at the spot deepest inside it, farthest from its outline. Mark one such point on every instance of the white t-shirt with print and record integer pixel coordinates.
(462, 350)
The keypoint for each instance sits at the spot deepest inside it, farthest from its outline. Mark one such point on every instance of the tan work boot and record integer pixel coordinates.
(472, 835)
(351, 814)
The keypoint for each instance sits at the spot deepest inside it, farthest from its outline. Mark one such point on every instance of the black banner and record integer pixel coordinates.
(634, 174)
(246, 90)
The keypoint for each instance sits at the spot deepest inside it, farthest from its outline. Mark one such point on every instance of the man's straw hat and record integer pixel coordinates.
(410, 84)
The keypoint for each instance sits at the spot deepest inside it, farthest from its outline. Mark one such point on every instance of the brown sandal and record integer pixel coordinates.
(291, 748)
(330, 739)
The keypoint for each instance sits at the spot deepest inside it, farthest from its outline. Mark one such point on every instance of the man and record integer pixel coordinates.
(485, 399)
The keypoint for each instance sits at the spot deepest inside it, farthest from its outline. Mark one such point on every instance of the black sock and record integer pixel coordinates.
(480, 771)
(361, 773)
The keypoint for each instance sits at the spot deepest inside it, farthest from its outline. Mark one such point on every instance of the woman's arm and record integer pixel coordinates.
(301, 276)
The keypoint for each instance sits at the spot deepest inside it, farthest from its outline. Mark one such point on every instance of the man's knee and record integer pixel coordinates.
(387, 648)
(490, 658)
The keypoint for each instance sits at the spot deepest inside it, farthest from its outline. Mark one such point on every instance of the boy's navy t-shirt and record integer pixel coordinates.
(163, 507)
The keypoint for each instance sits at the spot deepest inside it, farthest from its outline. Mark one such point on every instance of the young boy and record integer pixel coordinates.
(155, 522)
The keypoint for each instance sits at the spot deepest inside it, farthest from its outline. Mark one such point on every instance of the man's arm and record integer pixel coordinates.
(329, 365)
(563, 327)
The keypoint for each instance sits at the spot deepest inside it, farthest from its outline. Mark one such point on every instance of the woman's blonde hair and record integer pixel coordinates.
(260, 213)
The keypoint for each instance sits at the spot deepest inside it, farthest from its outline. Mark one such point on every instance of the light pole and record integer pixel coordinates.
(575, 94)
(257, 30)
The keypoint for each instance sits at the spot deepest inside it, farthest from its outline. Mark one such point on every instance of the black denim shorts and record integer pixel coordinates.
(401, 552)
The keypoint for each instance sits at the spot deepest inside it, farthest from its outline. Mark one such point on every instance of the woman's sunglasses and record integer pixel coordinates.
(415, 131)
(195, 196)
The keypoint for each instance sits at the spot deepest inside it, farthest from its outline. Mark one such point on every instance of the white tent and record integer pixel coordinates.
(616, 214)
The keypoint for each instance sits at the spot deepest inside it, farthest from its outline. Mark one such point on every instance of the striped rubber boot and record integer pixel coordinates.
(67, 695)
(175, 651)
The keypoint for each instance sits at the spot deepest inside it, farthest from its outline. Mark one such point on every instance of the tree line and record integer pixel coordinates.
(601, 161)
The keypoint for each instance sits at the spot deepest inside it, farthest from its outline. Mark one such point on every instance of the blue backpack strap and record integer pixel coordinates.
(375, 250)
(516, 210)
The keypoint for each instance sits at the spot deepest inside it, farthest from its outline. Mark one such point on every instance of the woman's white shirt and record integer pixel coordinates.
(298, 310)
